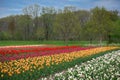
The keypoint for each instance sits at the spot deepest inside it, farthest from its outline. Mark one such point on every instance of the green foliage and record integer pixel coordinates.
(67, 24)
(70, 23)
(115, 36)
(47, 19)
(5, 36)
(40, 33)
(101, 24)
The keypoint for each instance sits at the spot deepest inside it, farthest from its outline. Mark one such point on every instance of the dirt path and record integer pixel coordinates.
(41, 45)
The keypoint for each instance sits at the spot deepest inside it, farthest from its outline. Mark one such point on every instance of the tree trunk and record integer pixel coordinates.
(66, 42)
(46, 32)
(91, 42)
(100, 41)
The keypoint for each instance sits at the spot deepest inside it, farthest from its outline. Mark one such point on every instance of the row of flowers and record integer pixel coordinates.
(36, 63)
(4, 51)
(43, 53)
(105, 67)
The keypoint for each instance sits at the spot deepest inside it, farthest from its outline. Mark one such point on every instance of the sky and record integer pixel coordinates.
(14, 7)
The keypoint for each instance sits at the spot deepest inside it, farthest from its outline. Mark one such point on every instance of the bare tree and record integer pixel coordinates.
(33, 11)
(47, 16)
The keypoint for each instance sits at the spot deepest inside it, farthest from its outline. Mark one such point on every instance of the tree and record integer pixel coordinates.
(40, 33)
(34, 12)
(47, 17)
(114, 37)
(90, 31)
(83, 16)
(101, 22)
(67, 24)
(11, 26)
(70, 23)
(24, 27)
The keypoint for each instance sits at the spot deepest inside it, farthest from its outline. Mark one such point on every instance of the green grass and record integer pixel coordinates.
(9, 43)
(59, 43)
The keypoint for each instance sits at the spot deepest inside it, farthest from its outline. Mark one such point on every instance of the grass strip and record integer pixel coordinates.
(59, 43)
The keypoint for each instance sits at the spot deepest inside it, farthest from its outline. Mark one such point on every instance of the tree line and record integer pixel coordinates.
(70, 23)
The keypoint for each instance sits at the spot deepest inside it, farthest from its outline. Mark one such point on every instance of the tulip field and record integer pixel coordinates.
(39, 62)
(105, 67)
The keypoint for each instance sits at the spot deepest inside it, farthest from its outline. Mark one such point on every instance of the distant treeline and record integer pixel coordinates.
(70, 23)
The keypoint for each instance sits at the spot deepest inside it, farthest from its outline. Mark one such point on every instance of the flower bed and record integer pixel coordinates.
(106, 67)
(12, 69)
(19, 50)
(44, 53)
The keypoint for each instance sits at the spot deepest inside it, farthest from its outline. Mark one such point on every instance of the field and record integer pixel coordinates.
(106, 67)
(35, 62)
(72, 40)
